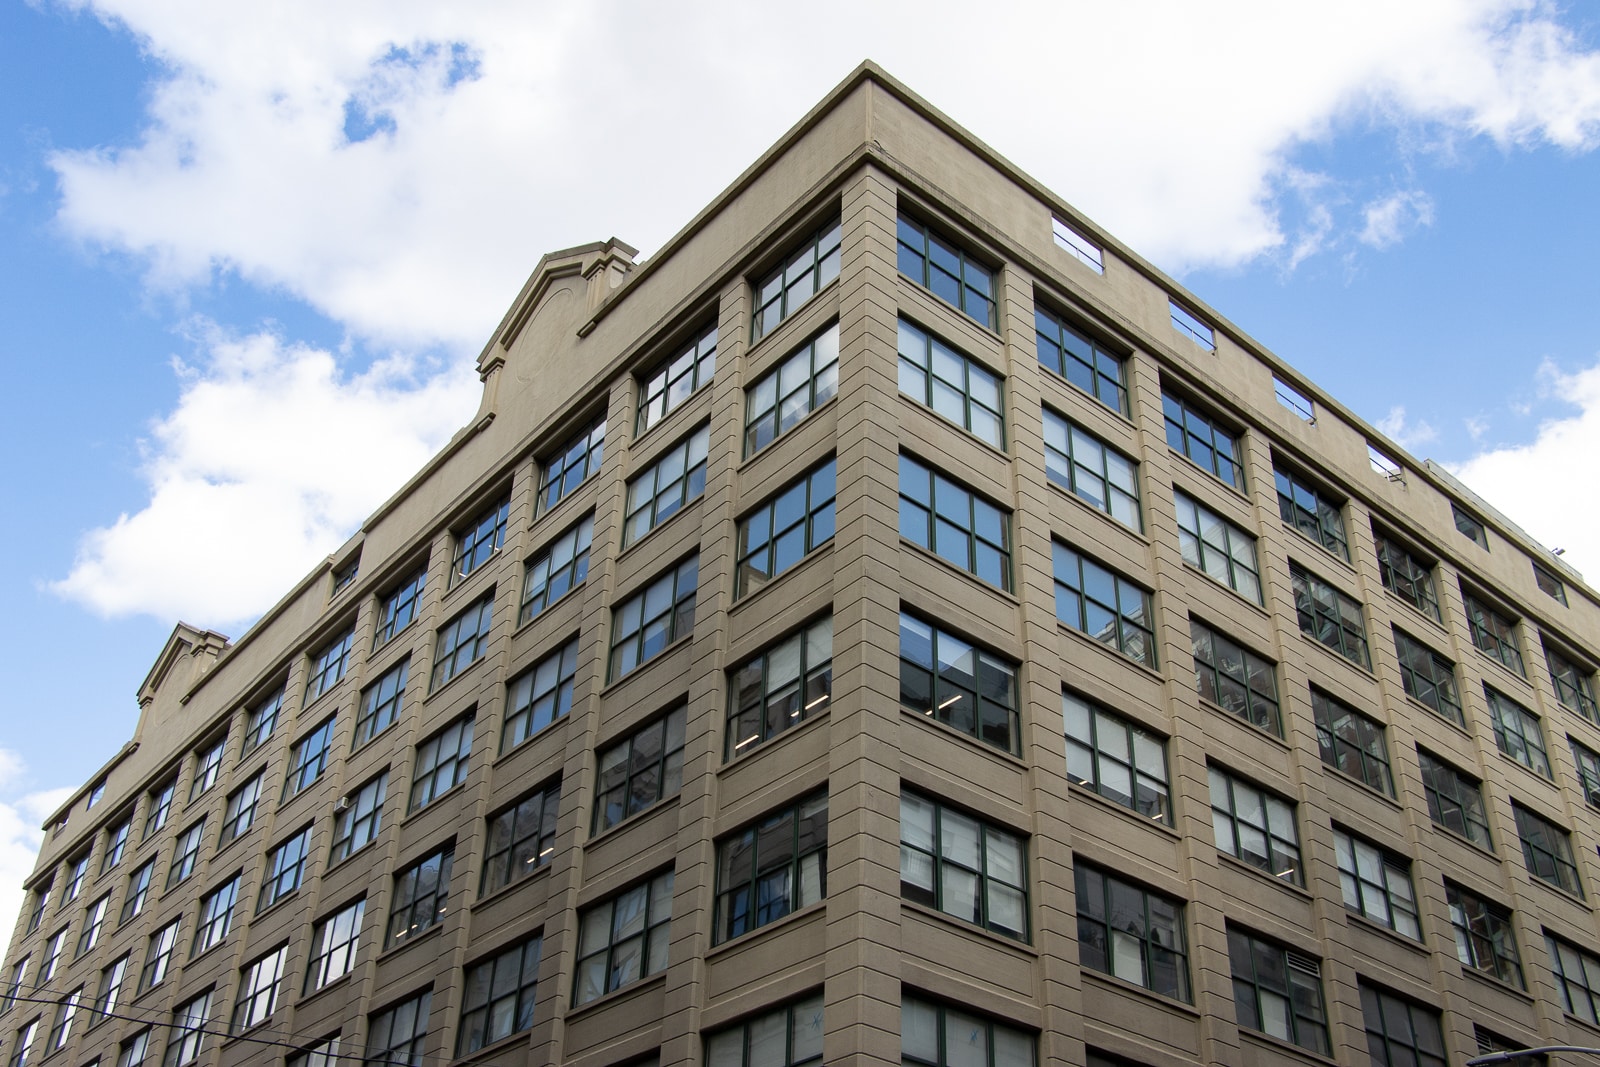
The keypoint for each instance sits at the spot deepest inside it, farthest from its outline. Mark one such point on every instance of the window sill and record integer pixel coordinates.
(416, 813)
(1119, 655)
(1126, 988)
(750, 459)
(1240, 493)
(638, 984)
(935, 558)
(1279, 1045)
(1304, 538)
(683, 509)
(970, 929)
(1568, 894)
(998, 451)
(1236, 717)
(1104, 516)
(484, 1054)
(322, 696)
(1438, 624)
(695, 400)
(1079, 391)
(1083, 792)
(666, 650)
(510, 887)
(1498, 984)
(928, 720)
(549, 606)
(1228, 859)
(1522, 679)
(276, 904)
(773, 743)
(986, 331)
(1524, 768)
(826, 548)
(1380, 930)
(411, 939)
(332, 983)
(532, 738)
(1475, 846)
(1240, 597)
(334, 865)
(1368, 787)
(464, 672)
(743, 940)
(616, 828)
(378, 646)
(1439, 716)
(1365, 669)
(236, 839)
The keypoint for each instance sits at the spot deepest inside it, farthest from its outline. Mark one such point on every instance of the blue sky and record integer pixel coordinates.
(247, 254)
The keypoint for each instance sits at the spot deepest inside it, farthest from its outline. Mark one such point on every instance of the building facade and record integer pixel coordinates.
(894, 622)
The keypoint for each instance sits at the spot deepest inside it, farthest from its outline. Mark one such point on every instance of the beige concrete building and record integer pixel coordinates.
(893, 621)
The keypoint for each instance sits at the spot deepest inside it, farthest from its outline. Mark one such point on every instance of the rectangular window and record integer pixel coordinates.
(397, 1033)
(1578, 974)
(1203, 440)
(328, 665)
(1131, 933)
(963, 866)
(1550, 585)
(955, 523)
(441, 762)
(475, 543)
(1352, 742)
(946, 270)
(1091, 470)
(186, 1036)
(184, 853)
(77, 870)
(1429, 678)
(954, 386)
(811, 265)
(1377, 884)
(1485, 939)
(258, 990)
(1190, 325)
(462, 641)
(1383, 463)
(207, 762)
(676, 379)
(399, 607)
(807, 378)
(308, 759)
(160, 807)
(1294, 400)
(498, 996)
(94, 920)
(39, 899)
(623, 939)
(1085, 363)
(1082, 249)
(1277, 991)
(1328, 616)
(1310, 512)
(1235, 679)
(785, 529)
(421, 896)
(381, 704)
(61, 1029)
(52, 956)
(1255, 826)
(19, 973)
(653, 618)
(774, 867)
(109, 994)
(1470, 526)
(345, 575)
(521, 839)
(1401, 1033)
(1517, 733)
(934, 1035)
(260, 721)
(116, 844)
(1455, 801)
(240, 813)
(22, 1047)
(158, 956)
(572, 466)
(1111, 756)
(789, 1036)
(132, 1052)
(959, 684)
(1493, 633)
(559, 569)
(539, 696)
(780, 687)
(1104, 605)
(1406, 576)
(639, 770)
(216, 916)
(1218, 548)
(324, 1053)
(286, 869)
(357, 818)
(664, 488)
(1573, 684)
(1588, 763)
(1547, 850)
(138, 890)
(334, 943)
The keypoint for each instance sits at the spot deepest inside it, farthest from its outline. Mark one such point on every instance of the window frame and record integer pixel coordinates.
(556, 570)
(133, 899)
(701, 354)
(261, 722)
(1096, 931)
(411, 901)
(1310, 512)
(986, 297)
(1550, 584)
(809, 259)
(943, 1017)
(1493, 634)
(683, 582)
(985, 537)
(764, 422)
(1183, 423)
(1066, 466)
(786, 854)
(431, 759)
(982, 725)
(1557, 854)
(454, 639)
(769, 707)
(1138, 645)
(1245, 696)
(813, 527)
(934, 350)
(1332, 626)
(1420, 1051)
(1469, 526)
(239, 814)
(329, 664)
(673, 481)
(335, 941)
(984, 876)
(637, 766)
(1368, 750)
(1279, 849)
(1287, 962)
(1376, 884)
(543, 706)
(207, 766)
(540, 831)
(483, 995)
(1464, 789)
(158, 956)
(657, 892)
(214, 919)
(1440, 681)
(359, 822)
(1576, 693)
(260, 982)
(1483, 930)
(284, 870)
(159, 809)
(1407, 577)
(381, 704)
(403, 1045)
(1569, 977)
(1134, 737)
(1518, 733)
(1195, 548)
(187, 1034)
(583, 453)
(402, 600)
(309, 754)
(185, 854)
(1069, 356)
(731, 1046)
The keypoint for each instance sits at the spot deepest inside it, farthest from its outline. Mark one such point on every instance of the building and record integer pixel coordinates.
(894, 620)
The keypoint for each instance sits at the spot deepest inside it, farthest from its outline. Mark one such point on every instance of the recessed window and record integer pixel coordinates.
(1547, 850)
(677, 379)
(572, 465)
(1470, 525)
(158, 956)
(77, 870)
(623, 939)
(788, 1036)
(539, 696)
(1383, 463)
(334, 942)
(109, 994)
(777, 866)
(286, 870)
(258, 990)
(1455, 801)
(421, 896)
(138, 890)
(807, 378)
(780, 687)
(1485, 938)
(1329, 617)
(381, 704)
(1203, 440)
(52, 956)
(185, 851)
(116, 844)
(955, 523)
(1117, 759)
(308, 759)
(811, 265)
(1087, 364)
(1517, 733)
(660, 491)
(240, 813)
(1081, 248)
(1550, 585)
(1131, 932)
(462, 641)
(1235, 679)
(207, 762)
(1587, 761)
(1255, 826)
(345, 576)
(1192, 326)
(1092, 470)
(1311, 512)
(556, 571)
(132, 1052)
(38, 900)
(358, 817)
(399, 607)
(94, 920)
(441, 762)
(650, 620)
(60, 1030)
(1277, 991)
(1574, 685)
(1377, 884)
(1217, 548)
(260, 721)
(521, 838)
(1294, 399)
(398, 1033)
(1406, 576)
(1104, 605)
(963, 866)
(328, 665)
(785, 529)
(957, 388)
(946, 270)
(23, 1045)
(936, 1035)
(1401, 1033)
(1429, 677)
(499, 996)
(1352, 742)
(640, 770)
(1577, 974)
(963, 686)
(186, 1036)
(1493, 633)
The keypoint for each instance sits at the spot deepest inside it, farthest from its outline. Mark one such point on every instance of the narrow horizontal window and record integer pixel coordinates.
(1470, 526)
(1191, 326)
(1081, 248)
(1550, 585)
(1294, 399)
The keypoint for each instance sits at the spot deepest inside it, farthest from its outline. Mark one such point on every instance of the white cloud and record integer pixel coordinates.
(1390, 219)
(270, 459)
(1409, 435)
(1535, 483)
(20, 836)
